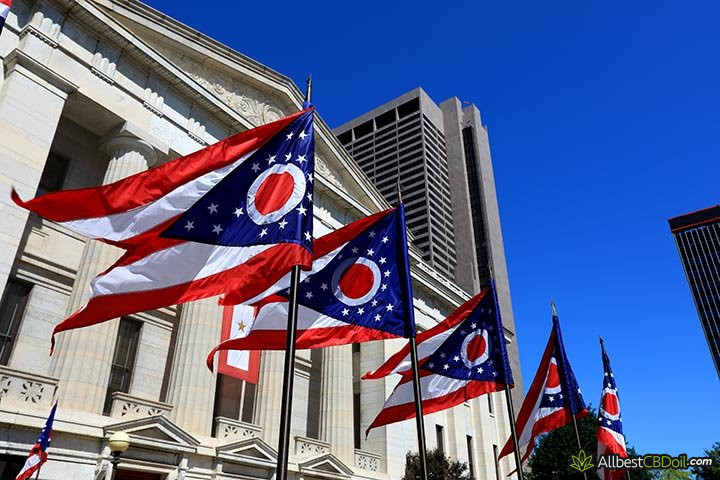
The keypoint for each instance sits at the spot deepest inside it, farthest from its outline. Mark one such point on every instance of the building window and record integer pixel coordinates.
(345, 138)
(409, 107)
(471, 458)
(10, 466)
(12, 308)
(356, 419)
(53, 176)
(123, 360)
(439, 438)
(234, 399)
(121, 474)
(497, 463)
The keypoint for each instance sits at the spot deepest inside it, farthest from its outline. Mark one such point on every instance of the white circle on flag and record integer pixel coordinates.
(483, 355)
(266, 209)
(361, 286)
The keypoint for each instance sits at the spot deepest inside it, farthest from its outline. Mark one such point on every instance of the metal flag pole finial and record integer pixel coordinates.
(553, 307)
(308, 88)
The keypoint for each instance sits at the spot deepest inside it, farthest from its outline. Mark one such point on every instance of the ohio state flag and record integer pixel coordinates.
(235, 216)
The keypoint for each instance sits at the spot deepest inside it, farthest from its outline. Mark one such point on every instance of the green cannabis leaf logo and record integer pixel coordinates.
(581, 462)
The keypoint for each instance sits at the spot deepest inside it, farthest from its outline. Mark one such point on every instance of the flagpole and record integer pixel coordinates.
(513, 431)
(572, 415)
(508, 396)
(289, 368)
(577, 437)
(419, 421)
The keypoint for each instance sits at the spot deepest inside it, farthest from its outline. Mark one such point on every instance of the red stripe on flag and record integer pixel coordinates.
(35, 460)
(605, 437)
(251, 276)
(308, 338)
(406, 411)
(151, 184)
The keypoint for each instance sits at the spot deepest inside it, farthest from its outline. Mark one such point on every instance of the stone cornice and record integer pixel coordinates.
(19, 60)
(241, 65)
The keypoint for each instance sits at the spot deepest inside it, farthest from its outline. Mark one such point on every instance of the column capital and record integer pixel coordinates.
(128, 137)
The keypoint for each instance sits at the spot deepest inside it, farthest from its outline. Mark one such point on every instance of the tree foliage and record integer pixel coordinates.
(552, 456)
(712, 472)
(440, 467)
(673, 475)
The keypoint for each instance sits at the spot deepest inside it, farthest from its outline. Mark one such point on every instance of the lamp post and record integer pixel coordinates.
(118, 443)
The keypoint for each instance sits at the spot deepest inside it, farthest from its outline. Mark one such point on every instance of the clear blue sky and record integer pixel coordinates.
(604, 121)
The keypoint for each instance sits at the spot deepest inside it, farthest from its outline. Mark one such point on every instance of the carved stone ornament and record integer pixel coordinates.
(255, 106)
(322, 168)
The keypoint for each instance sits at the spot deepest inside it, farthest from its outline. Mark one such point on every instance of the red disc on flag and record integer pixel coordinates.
(610, 404)
(356, 281)
(275, 192)
(552, 384)
(475, 348)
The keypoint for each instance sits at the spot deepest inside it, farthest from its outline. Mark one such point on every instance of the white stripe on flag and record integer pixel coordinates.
(30, 463)
(173, 266)
(425, 349)
(317, 265)
(431, 386)
(133, 222)
(273, 316)
(526, 433)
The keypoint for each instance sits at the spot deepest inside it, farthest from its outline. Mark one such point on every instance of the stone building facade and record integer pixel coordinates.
(94, 91)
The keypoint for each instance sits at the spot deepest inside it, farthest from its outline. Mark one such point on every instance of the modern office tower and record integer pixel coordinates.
(403, 140)
(697, 236)
(440, 157)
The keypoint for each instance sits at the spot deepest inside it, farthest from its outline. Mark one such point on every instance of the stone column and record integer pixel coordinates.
(268, 398)
(32, 98)
(192, 386)
(372, 397)
(336, 402)
(83, 357)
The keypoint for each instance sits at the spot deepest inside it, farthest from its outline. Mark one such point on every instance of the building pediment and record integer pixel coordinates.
(256, 93)
(157, 433)
(326, 466)
(250, 451)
